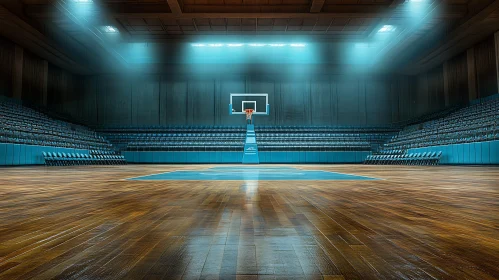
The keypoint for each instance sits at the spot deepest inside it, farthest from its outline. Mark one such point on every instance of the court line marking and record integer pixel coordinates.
(364, 178)
(165, 172)
(356, 175)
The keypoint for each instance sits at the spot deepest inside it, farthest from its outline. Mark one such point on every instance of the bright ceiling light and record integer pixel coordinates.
(386, 28)
(110, 29)
(231, 45)
(82, 1)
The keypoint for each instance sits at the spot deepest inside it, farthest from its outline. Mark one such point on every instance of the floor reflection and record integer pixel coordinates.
(417, 223)
(250, 234)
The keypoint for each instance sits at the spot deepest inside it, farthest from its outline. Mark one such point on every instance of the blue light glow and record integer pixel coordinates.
(242, 55)
(140, 53)
(82, 1)
(416, 10)
(232, 45)
(361, 45)
(387, 28)
(110, 29)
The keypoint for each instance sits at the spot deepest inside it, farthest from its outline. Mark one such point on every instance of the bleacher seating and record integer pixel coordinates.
(231, 138)
(476, 123)
(320, 138)
(94, 158)
(405, 159)
(178, 138)
(67, 159)
(22, 125)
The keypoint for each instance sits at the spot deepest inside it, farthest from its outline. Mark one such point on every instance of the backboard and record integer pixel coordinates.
(239, 102)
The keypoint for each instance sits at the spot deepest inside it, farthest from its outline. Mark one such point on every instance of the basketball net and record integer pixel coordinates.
(249, 113)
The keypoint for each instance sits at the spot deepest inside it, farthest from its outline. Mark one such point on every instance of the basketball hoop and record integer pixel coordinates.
(249, 114)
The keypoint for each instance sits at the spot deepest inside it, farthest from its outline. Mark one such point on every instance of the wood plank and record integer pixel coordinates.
(419, 222)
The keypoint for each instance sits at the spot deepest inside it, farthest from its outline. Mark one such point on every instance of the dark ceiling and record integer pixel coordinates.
(442, 30)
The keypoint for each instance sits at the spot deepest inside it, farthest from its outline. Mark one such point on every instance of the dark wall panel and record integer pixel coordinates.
(145, 97)
(458, 80)
(64, 92)
(6, 66)
(378, 97)
(485, 65)
(436, 96)
(89, 107)
(394, 96)
(404, 98)
(174, 105)
(33, 79)
(201, 102)
(426, 92)
(222, 96)
(347, 89)
(322, 107)
(295, 102)
(162, 100)
(422, 90)
(114, 100)
(272, 88)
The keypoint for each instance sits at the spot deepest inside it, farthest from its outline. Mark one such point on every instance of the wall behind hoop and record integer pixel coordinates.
(164, 100)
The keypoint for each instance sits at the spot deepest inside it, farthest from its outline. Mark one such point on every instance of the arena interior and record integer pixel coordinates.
(249, 139)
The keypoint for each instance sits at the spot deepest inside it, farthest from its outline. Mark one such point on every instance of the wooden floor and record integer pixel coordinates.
(89, 223)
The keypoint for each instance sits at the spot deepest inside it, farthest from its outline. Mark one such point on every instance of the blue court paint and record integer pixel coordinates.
(237, 173)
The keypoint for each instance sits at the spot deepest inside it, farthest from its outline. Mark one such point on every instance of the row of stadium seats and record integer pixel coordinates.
(391, 152)
(407, 159)
(475, 123)
(194, 128)
(231, 138)
(321, 138)
(312, 145)
(178, 138)
(23, 125)
(305, 148)
(63, 159)
(102, 152)
(190, 147)
(295, 142)
(323, 129)
(175, 129)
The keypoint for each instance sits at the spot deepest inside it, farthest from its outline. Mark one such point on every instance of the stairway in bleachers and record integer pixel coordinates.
(250, 155)
(255, 144)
